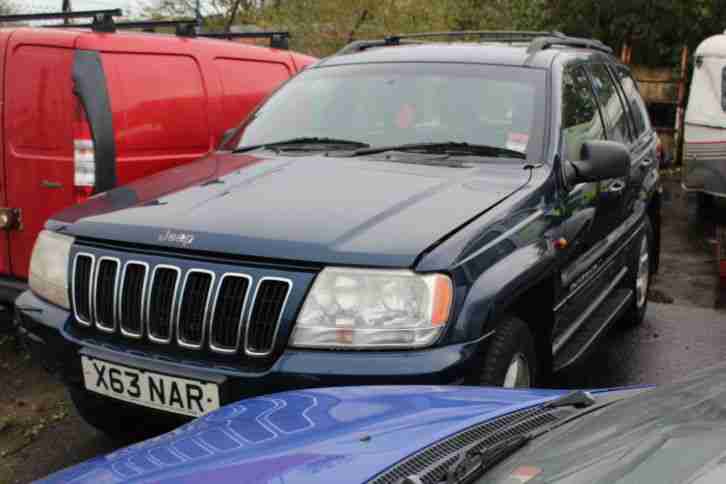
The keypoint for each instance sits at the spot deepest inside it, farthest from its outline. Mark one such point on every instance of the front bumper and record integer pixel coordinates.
(43, 327)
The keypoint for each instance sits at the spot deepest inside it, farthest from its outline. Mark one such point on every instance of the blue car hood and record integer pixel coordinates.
(341, 435)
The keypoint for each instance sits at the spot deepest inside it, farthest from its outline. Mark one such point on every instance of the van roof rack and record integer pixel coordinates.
(183, 27)
(188, 28)
(278, 40)
(537, 40)
(102, 19)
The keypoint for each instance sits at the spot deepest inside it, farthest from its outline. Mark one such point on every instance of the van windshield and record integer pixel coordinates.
(389, 104)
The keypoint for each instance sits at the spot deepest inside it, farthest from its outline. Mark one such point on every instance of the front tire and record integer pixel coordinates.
(640, 276)
(511, 359)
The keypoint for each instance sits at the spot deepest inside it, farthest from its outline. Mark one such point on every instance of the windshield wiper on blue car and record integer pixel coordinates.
(472, 462)
(449, 147)
(306, 140)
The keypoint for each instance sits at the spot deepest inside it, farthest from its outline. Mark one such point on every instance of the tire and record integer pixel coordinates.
(119, 421)
(704, 205)
(639, 277)
(512, 344)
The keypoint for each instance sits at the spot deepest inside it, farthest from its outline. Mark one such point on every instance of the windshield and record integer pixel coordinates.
(390, 104)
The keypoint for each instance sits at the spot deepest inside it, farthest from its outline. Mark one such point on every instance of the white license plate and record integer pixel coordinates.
(163, 392)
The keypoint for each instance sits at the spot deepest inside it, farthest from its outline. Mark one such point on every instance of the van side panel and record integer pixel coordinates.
(245, 84)
(4, 237)
(38, 125)
(159, 109)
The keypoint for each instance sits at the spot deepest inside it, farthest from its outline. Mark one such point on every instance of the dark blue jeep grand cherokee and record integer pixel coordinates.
(401, 212)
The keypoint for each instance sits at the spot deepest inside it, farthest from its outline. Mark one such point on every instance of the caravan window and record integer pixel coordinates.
(723, 89)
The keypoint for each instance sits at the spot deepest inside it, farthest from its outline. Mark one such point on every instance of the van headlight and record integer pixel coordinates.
(48, 276)
(369, 309)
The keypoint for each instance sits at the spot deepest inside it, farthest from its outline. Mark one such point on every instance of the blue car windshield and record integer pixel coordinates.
(388, 104)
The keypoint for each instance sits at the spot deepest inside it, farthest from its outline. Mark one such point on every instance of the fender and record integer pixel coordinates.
(502, 271)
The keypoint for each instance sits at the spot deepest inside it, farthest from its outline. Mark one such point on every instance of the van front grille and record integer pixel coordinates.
(192, 308)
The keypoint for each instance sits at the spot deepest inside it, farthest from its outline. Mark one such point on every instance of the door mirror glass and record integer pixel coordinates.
(226, 136)
(600, 160)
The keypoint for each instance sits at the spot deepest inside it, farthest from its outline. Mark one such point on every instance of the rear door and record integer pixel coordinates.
(37, 122)
(158, 100)
(613, 194)
(5, 268)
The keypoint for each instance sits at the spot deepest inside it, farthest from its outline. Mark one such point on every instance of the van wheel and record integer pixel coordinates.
(639, 277)
(121, 422)
(511, 360)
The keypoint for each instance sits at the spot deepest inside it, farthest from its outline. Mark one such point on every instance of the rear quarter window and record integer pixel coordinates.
(635, 101)
(245, 83)
(159, 104)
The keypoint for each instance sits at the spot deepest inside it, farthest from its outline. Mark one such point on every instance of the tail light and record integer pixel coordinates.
(84, 157)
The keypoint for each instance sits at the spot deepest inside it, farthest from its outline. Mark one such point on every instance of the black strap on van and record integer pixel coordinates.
(89, 84)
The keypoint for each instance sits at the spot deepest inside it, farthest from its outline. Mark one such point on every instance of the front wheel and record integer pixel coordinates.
(639, 277)
(511, 359)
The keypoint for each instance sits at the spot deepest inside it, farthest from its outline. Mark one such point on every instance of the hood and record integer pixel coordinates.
(675, 433)
(316, 209)
(342, 435)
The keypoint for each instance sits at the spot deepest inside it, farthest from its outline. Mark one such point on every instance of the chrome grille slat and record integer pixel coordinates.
(82, 294)
(131, 293)
(268, 306)
(160, 309)
(191, 319)
(228, 317)
(193, 308)
(105, 285)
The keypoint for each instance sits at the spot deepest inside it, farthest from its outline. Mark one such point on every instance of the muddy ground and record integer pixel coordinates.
(41, 433)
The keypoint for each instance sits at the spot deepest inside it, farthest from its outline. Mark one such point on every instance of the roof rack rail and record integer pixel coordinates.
(537, 40)
(102, 19)
(491, 35)
(543, 43)
(278, 40)
(183, 27)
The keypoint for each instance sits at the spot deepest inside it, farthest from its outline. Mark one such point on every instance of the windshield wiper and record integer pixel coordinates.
(449, 147)
(308, 140)
(470, 464)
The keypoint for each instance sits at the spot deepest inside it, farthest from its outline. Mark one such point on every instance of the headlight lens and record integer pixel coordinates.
(368, 309)
(49, 267)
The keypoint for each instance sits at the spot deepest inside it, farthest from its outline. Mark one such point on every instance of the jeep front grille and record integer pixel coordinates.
(83, 270)
(192, 308)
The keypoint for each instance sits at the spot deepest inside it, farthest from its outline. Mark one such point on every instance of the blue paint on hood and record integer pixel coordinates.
(308, 436)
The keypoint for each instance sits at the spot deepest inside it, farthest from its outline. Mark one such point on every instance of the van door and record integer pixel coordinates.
(37, 122)
(4, 237)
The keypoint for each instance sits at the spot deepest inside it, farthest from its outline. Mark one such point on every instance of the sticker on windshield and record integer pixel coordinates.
(517, 141)
(525, 474)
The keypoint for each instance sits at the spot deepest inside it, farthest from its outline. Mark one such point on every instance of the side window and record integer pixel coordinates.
(581, 120)
(616, 118)
(635, 101)
(723, 89)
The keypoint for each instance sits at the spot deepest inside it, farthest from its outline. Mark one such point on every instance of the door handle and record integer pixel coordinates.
(51, 184)
(616, 187)
(646, 163)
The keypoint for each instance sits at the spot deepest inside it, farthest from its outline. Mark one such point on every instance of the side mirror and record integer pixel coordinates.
(601, 160)
(226, 136)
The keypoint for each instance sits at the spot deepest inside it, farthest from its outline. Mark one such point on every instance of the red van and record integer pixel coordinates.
(87, 109)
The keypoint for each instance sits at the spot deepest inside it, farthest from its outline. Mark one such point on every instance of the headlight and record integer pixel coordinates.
(49, 267)
(368, 309)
